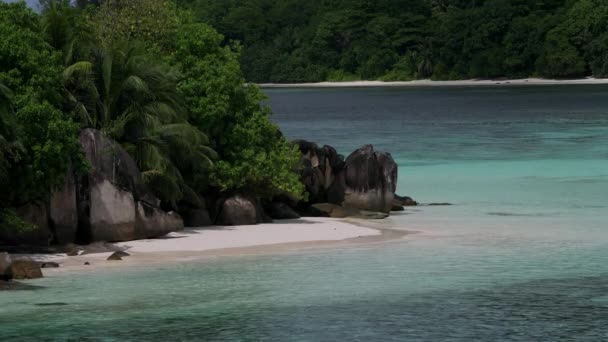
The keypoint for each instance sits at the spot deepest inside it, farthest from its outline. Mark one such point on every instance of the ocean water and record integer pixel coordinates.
(522, 255)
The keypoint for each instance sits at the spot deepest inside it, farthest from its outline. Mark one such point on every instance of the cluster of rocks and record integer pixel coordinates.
(360, 185)
(108, 203)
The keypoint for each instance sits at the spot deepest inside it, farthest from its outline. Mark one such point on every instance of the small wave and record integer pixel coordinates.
(51, 304)
(518, 214)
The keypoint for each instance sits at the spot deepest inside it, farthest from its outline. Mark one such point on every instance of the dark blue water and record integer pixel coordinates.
(522, 255)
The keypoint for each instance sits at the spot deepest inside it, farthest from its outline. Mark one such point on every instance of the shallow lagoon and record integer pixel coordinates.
(521, 255)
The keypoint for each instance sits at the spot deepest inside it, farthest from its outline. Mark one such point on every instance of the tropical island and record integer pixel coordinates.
(231, 170)
(130, 121)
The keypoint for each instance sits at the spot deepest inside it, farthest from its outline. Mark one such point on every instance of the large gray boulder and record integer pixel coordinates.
(24, 269)
(63, 211)
(112, 213)
(240, 210)
(370, 180)
(152, 222)
(321, 172)
(109, 161)
(112, 200)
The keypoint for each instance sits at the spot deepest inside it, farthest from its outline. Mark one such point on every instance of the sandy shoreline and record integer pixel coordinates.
(430, 83)
(209, 243)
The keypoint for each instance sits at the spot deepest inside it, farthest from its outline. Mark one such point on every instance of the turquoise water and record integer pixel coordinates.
(522, 255)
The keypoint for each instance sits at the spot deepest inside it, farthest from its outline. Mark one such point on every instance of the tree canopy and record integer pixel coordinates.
(163, 85)
(315, 40)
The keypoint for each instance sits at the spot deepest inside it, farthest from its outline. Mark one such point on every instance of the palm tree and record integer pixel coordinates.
(66, 29)
(133, 98)
(425, 58)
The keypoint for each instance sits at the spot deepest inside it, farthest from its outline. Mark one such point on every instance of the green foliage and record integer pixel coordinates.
(315, 40)
(38, 142)
(167, 88)
(253, 155)
(133, 97)
(9, 221)
(67, 29)
(152, 21)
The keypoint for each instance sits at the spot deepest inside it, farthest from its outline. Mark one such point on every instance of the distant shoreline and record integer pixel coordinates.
(431, 83)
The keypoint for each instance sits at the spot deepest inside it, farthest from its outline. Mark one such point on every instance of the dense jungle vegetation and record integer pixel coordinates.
(316, 40)
(150, 76)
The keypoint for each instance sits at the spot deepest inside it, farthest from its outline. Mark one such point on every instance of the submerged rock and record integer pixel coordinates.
(24, 269)
(49, 264)
(336, 211)
(16, 286)
(404, 201)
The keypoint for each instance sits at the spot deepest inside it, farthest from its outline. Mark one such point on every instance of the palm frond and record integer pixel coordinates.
(79, 69)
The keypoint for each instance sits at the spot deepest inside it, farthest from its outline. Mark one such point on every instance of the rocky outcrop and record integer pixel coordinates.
(241, 210)
(153, 222)
(322, 172)
(109, 161)
(110, 202)
(366, 180)
(371, 180)
(112, 213)
(24, 269)
(404, 201)
(113, 202)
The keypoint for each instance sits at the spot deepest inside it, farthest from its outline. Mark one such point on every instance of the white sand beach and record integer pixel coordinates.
(211, 242)
(431, 83)
(280, 232)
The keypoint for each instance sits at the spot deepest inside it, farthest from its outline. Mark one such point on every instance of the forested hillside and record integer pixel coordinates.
(149, 77)
(314, 40)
